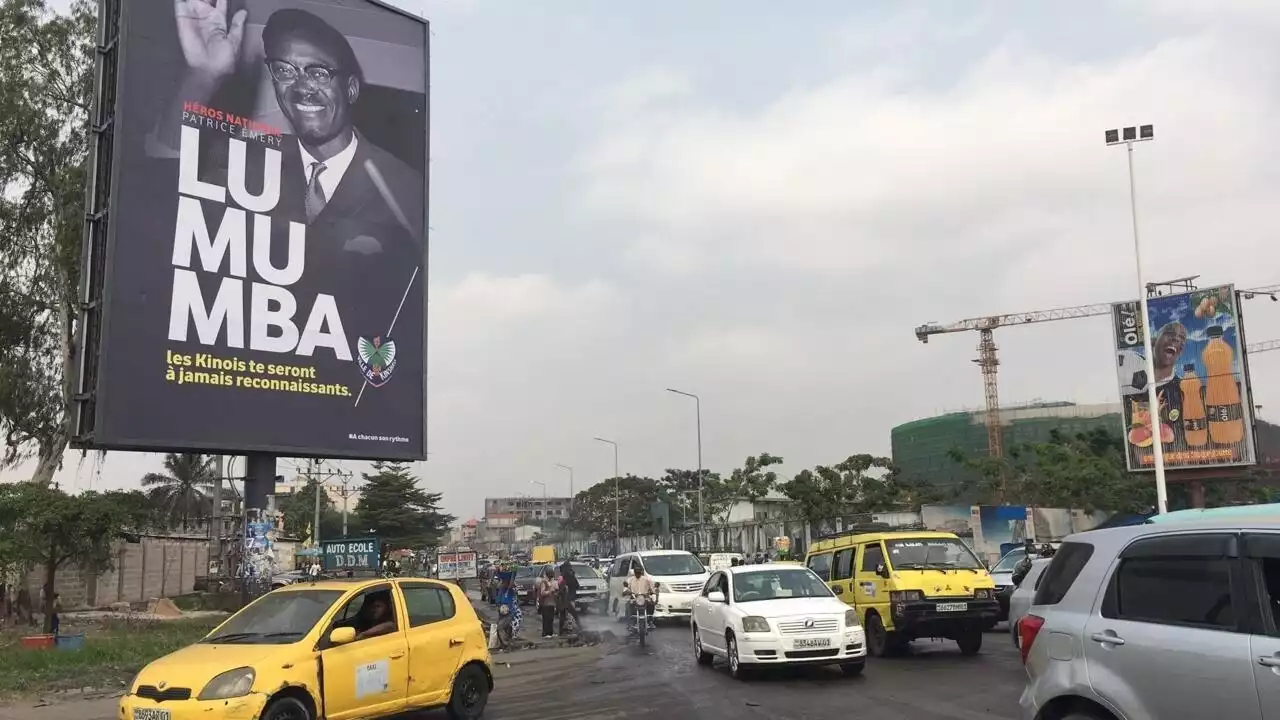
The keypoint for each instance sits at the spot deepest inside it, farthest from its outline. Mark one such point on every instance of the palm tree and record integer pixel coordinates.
(183, 491)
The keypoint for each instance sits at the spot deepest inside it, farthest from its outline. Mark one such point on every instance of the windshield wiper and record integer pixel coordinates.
(231, 637)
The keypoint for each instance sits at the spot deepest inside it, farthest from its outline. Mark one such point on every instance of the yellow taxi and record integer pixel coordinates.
(331, 649)
(908, 585)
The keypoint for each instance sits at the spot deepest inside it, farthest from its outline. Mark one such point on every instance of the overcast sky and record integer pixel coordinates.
(759, 205)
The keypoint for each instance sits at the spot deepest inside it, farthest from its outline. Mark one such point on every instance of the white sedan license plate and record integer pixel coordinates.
(953, 607)
(150, 714)
(811, 643)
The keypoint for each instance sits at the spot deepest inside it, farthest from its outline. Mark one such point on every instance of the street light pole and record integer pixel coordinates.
(1127, 137)
(566, 467)
(697, 405)
(617, 512)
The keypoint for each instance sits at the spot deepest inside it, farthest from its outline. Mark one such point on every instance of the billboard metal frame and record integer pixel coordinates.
(99, 242)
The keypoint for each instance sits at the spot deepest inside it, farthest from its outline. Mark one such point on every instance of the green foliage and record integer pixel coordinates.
(397, 510)
(54, 529)
(859, 484)
(593, 508)
(680, 488)
(299, 510)
(1084, 471)
(46, 62)
(182, 493)
(753, 481)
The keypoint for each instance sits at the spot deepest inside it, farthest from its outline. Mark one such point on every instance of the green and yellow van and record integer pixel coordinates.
(909, 585)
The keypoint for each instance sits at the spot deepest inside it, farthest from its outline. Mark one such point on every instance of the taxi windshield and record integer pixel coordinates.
(935, 553)
(277, 618)
(777, 584)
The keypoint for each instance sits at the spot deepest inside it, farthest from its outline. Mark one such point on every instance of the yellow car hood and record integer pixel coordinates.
(942, 583)
(195, 665)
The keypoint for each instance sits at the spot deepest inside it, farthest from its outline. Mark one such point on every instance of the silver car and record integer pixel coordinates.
(1022, 596)
(1157, 621)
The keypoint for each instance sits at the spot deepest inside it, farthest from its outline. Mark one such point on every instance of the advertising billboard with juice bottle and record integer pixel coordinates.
(1204, 417)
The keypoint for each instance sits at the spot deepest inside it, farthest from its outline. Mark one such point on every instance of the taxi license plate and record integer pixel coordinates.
(150, 714)
(812, 643)
(953, 607)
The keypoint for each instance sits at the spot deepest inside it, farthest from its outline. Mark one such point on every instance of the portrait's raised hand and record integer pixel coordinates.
(210, 43)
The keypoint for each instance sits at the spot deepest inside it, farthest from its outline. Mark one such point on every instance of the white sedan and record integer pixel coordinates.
(759, 615)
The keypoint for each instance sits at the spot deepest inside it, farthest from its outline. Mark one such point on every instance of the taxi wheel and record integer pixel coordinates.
(286, 708)
(703, 657)
(970, 642)
(470, 694)
(736, 670)
(877, 636)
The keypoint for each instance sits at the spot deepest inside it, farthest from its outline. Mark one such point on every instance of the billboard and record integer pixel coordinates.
(264, 281)
(350, 554)
(1205, 418)
(456, 566)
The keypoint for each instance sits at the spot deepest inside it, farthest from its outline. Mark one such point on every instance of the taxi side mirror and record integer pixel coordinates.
(342, 636)
(882, 571)
(716, 596)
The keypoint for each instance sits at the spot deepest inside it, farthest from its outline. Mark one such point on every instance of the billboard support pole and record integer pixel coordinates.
(1127, 137)
(1153, 399)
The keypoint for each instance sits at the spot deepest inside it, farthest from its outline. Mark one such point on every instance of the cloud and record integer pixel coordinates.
(865, 170)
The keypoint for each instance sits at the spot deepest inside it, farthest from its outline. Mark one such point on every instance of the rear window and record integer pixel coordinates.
(1062, 572)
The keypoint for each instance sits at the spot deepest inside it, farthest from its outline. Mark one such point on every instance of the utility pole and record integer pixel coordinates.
(215, 519)
(345, 490)
(315, 486)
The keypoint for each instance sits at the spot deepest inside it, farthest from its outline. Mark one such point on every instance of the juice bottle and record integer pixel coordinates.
(1194, 424)
(1222, 395)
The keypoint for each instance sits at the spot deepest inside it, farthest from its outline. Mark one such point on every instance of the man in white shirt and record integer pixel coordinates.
(639, 583)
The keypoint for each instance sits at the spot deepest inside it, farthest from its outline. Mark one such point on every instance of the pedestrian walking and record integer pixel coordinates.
(55, 621)
(546, 596)
(569, 597)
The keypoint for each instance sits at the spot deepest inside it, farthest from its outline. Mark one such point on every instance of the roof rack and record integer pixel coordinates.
(873, 528)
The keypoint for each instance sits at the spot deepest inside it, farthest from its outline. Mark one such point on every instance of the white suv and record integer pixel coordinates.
(680, 577)
(1157, 621)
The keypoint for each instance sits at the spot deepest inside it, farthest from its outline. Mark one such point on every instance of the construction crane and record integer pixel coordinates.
(989, 361)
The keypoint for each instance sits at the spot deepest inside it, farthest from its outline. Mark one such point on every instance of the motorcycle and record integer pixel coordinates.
(642, 618)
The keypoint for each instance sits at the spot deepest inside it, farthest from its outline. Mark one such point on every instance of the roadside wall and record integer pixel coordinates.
(152, 567)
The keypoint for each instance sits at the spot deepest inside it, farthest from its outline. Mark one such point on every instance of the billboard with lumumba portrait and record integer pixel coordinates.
(263, 286)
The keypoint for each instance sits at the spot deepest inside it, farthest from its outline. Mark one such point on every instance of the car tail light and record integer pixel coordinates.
(1028, 628)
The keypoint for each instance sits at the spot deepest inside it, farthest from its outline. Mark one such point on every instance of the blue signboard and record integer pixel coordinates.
(350, 554)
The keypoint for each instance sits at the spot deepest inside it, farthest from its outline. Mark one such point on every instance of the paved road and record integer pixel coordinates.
(662, 681)
(614, 681)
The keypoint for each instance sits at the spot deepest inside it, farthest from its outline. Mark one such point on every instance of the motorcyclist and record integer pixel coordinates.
(639, 584)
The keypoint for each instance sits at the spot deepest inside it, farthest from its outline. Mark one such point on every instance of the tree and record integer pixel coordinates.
(182, 492)
(46, 62)
(57, 530)
(593, 508)
(752, 481)
(299, 510)
(680, 488)
(1085, 471)
(821, 494)
(397, 510)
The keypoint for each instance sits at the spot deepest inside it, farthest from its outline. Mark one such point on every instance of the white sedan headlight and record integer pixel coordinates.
(755, 624)
(851, 618)
(230, 684)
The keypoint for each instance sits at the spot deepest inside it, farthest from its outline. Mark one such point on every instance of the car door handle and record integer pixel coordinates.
(397, 656)
(1270, 661)
(454, 642)
(1106, 638)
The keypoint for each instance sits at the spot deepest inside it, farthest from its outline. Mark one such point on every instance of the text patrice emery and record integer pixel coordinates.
(272, 306)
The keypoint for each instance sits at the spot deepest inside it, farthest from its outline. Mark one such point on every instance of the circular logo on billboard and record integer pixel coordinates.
(377, 359)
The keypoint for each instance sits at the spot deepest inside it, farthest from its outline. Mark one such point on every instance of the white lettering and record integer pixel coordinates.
(324, 314)
(272, 307)
(292, 270)
(189, 182)
(191, 229)
(188, 302)
(270, 195)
